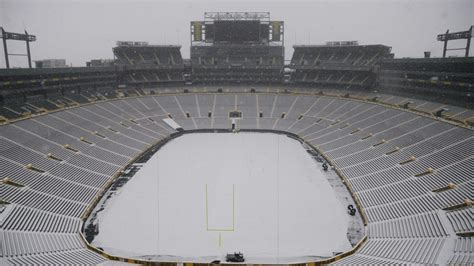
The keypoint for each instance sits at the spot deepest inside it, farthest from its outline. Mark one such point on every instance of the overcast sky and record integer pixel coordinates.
(82, 30)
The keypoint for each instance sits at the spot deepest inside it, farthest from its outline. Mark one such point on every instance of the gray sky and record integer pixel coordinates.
(82, 30)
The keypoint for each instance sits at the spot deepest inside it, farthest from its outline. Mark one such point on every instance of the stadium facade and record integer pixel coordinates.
(398, 132)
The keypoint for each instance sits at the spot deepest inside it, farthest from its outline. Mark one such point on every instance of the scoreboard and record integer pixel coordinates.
(237, 31)
(237, 28)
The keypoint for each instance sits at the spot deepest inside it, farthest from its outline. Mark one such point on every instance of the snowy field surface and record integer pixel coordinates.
(204, 195)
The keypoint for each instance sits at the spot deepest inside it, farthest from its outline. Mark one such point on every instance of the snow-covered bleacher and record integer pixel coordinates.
(54, 165)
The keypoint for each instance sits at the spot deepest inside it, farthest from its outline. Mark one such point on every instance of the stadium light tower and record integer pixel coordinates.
(456, 36)
(18, 37)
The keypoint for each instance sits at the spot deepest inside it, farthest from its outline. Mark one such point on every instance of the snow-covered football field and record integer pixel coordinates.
(204, 195)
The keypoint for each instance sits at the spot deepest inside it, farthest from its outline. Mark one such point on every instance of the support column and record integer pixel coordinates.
(468, 45)
(445, 44)
(5, 49)
(28, 49)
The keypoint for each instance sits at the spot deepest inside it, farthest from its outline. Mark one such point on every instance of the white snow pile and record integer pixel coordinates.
(207, 194)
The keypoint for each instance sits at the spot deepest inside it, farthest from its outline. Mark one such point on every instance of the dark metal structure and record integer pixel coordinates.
(446, 80)
(456, 36)
(254, 24)
(237, 47)
(143, 65)
(344, 64)
(17, 37)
